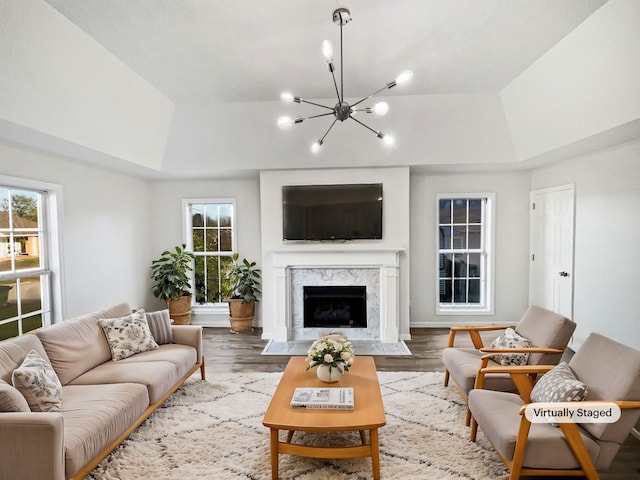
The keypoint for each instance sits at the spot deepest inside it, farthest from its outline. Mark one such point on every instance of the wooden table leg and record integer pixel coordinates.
(363, 437)
(375, 453)
(275, 439)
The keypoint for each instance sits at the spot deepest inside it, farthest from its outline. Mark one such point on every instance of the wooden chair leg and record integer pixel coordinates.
(203, 374)
(578, 448)
(467, 418)
(446, 377)
(474, 430)
(521, 445)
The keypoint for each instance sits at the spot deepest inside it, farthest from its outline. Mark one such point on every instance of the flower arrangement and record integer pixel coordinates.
(332, 350)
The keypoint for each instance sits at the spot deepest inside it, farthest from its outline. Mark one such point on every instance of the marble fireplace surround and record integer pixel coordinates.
(377, 269)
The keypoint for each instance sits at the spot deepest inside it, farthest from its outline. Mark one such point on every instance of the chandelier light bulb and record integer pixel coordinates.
(404, 77)
(286, 97)
(327, 51)
(285, 122)
(388, 140)
(315, 148)
(381, 108)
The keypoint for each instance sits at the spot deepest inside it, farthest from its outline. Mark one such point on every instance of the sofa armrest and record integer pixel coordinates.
(32, 446)
(189, 335)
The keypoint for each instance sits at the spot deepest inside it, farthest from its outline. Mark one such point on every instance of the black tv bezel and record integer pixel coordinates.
(336, 238)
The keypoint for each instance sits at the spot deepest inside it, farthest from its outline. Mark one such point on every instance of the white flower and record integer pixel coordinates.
(345, 356)
(328, 358)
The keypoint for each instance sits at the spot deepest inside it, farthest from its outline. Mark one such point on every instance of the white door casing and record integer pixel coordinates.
(551, 249)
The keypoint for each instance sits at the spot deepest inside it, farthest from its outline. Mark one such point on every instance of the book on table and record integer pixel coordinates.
(333, 398)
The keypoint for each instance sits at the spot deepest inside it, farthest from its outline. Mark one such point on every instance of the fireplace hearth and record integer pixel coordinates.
(335, 306)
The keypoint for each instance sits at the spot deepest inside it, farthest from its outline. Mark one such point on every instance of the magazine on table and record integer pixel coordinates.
(334, 398)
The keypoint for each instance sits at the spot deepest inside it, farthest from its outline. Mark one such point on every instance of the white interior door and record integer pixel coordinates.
(551, 256)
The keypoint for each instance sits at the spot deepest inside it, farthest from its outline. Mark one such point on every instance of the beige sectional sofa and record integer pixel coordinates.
(102, 401)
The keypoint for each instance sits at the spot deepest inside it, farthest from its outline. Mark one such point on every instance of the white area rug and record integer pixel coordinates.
(360, 347)
(213, 430)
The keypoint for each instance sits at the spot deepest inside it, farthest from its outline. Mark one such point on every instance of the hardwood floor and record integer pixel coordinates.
(242, 353)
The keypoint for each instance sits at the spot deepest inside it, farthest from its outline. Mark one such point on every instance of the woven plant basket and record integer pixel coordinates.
(237, 309)
(180, 309)
(239, 325)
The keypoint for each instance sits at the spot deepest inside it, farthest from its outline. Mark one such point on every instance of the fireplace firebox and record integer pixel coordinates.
(335, 306)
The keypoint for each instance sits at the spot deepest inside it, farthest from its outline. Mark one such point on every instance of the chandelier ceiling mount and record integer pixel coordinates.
(342, 110)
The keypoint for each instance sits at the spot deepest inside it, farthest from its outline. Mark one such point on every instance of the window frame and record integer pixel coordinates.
(50, 269)
(486, 306)
(209, 308)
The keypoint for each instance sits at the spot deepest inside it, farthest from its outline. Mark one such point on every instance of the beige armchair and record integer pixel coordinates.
(611, 372)
(548, 331)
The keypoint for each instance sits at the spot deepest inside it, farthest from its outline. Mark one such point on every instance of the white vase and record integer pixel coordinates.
(328, 374)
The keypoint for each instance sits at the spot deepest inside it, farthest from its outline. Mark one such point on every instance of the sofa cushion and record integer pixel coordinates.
(157, 376)
(11, 400)
(559, 385)
(77, 345)
(128, 335)
(160, 326)
(510, 339)
(14, 350)
(36, 380)
(96, 415)
(463, 365)
(545, 329)
(498, 415)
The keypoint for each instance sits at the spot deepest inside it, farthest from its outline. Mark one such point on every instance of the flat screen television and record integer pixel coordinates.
(332, 212)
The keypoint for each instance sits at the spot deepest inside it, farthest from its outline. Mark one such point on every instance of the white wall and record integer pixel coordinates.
(105, 228)
(167, 230)
(395, 223)
(511, 245)
(58, 80)
(584, 85)
(607, 237)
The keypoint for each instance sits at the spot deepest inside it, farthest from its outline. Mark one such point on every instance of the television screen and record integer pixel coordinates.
(332, 212)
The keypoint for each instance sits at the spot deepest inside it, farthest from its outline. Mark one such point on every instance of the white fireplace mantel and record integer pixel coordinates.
(386, 260)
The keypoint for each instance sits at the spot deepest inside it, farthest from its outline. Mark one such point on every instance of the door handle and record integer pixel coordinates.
(563, 274)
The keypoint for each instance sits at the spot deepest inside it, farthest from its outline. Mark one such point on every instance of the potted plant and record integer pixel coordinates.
(172, 282)
(243, 288)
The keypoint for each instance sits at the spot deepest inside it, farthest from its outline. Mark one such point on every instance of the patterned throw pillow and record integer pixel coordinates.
(160, 326)
(38, 383)
(559, 385)
(510, 339)
(128, 335)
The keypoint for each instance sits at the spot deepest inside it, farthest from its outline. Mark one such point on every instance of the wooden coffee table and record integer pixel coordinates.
(368, 414)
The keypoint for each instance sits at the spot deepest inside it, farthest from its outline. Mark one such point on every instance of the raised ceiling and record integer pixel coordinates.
(191, 87)
(197, 51)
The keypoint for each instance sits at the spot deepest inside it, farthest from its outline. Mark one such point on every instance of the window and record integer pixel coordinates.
(26, 238)
(465, 239)
(210, 235)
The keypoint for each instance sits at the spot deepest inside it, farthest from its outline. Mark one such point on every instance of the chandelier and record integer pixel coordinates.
(342, 110)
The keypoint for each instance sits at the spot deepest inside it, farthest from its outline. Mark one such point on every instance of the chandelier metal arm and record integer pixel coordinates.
(378, 133)
(327, 132)
(335, 84)
(387, 86)
(316, 104)
(320, 115)
(341, 95)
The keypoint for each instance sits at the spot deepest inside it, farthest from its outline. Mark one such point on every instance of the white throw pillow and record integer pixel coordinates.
(510, 339)
(128, 335)
(38, 383)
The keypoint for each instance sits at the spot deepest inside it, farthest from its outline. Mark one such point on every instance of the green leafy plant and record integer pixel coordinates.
(170, 273)
(242, 280)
